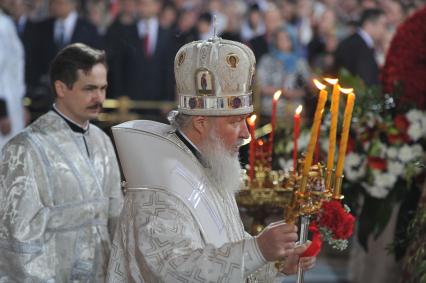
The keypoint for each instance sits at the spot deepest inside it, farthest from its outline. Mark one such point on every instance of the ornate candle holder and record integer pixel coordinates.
(272, 191)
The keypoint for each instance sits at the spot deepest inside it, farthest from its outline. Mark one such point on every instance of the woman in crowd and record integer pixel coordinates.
(283, 69)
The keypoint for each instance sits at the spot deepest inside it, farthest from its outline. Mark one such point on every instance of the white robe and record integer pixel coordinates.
(58, 205)
(12, 86)
(178, 234)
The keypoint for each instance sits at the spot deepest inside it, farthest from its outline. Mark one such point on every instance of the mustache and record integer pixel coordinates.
(95, 106)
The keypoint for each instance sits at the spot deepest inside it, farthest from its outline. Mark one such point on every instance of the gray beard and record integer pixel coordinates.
(223, 168)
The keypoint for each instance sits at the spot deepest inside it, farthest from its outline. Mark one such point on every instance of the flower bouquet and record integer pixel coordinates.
(333, 224)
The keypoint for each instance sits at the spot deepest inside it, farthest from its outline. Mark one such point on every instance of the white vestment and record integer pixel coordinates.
(59, 201)
(175, 225)
(12, 85)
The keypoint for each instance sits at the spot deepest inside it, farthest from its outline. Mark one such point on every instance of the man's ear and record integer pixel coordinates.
(200, 124)
(60, 88)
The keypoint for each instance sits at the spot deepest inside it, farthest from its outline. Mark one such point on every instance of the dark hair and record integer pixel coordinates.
(206, 17)
(254, 8)
(283, 29)
(370, 15)
(72, 58)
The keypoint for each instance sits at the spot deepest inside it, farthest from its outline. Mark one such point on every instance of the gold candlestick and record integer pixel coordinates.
(329, 176)
(337, 194)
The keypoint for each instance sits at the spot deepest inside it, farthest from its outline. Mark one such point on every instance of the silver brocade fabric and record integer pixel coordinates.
(158, 239)
(58, 206)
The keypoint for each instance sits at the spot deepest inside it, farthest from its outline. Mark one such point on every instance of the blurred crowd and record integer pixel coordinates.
(291, 39)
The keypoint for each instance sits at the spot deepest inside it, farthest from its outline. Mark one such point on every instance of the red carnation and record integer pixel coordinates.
(334, 217)
(346, 226)
(401, 123)
(377, 163)
(394, 138)
(398, 138)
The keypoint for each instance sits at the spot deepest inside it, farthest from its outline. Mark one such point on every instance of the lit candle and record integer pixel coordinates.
(350, 100)
(296, 134)
(277, 95)
(334, 109)
(251, 122)
(315, 128)
(260, 154)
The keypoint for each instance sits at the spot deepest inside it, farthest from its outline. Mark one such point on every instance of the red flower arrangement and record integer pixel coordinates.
(334, 224)
(337, 219)
(405, 60)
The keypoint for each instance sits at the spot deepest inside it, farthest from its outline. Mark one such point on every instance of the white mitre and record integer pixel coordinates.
(214, 78)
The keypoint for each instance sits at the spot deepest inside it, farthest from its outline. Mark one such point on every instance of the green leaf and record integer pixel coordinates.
(384, 212)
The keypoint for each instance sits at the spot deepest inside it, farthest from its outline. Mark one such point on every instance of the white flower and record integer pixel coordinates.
(355, 167)
(353, 160)
(392, 152)
(414, 115)
(354, 174)
(417, 128)
(417, 151)
(395, 167)
(384, 180)
(374, 191)
(405, 154)
(423, 122)
(383, 183)
(415, 131)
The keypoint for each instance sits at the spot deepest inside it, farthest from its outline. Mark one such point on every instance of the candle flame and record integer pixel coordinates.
(346, 90)
(299, 109)
(277, 95)
(252, 119)
(331, 81)
(318, 84)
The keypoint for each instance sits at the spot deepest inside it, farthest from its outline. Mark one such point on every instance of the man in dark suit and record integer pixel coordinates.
(26, 30)
(356, 53)
(142, 65)
(64, 27)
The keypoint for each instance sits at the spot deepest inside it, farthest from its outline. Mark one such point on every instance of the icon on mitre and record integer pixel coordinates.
(204, 82)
